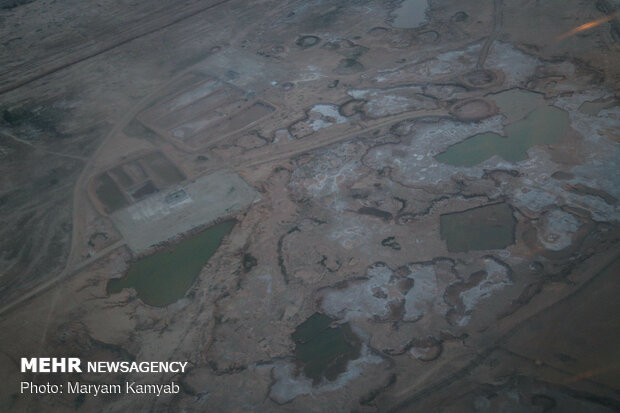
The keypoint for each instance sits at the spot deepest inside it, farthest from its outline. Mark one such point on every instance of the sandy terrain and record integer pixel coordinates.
(445, 192)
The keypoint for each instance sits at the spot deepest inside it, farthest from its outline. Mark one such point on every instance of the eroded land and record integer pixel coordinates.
(415, 204)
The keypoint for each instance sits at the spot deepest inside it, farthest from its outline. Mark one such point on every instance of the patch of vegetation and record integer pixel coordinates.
(391, 242)
(11, 4)
(248, 262)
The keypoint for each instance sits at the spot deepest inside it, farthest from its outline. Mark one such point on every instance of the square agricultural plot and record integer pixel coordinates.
(132, 181)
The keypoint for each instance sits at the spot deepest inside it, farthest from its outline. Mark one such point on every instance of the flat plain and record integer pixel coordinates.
(420, 202)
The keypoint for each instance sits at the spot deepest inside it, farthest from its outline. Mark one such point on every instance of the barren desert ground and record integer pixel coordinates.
(321, 206)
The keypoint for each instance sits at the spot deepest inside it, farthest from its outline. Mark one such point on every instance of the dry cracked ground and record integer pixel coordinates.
(417, 202)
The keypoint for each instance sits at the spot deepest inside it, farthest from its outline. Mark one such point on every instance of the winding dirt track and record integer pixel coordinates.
(498, 18)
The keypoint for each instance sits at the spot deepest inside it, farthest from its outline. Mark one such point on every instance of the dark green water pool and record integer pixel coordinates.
(483, 228)
(324, 350)
(164, 277)
(544, 125)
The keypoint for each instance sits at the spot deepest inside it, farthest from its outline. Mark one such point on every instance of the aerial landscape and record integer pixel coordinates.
(319, 206)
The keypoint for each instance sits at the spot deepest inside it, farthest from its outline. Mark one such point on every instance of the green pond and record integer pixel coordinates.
(410, 14)
(323, 350)
(164, 277)
(483, 228)
(545, 125)
(593, 108)
(515, 104)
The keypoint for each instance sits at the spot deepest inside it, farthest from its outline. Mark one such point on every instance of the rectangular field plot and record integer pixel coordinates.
(132, 181)
(206, 111)
(109, 195)
(164, 170)
(228, 125)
